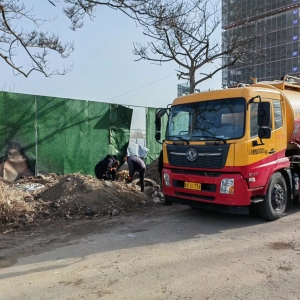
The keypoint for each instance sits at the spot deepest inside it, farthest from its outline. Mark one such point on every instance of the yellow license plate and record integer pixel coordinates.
(192, 186)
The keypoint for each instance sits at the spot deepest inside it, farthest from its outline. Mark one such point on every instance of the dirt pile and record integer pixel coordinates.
(152, 172)
(78, 196)
(70, 196)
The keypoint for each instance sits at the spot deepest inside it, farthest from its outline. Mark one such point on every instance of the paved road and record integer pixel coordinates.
(172, 253)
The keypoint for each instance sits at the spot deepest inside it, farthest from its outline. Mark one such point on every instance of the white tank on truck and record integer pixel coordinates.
(290, 88)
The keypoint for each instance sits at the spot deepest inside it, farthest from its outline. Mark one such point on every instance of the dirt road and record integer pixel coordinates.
(159, 253)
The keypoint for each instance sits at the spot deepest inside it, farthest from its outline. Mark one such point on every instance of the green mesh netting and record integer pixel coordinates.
(17, 126)
(119, 135)
(63, 135)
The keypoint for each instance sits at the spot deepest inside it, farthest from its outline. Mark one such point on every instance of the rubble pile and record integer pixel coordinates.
(72, 196)
(78, 196)
(152, 172)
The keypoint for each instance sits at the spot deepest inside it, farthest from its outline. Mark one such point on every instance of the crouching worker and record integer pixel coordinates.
(107, 168)
(113, 170)
(135, 164)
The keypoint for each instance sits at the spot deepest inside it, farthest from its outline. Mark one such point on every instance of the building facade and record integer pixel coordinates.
(184, 89)
(276, 48)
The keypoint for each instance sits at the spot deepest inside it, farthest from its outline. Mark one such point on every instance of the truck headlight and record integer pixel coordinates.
(167, 179)
(227, 186)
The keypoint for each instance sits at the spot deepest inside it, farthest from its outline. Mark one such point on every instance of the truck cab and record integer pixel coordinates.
(227, 149)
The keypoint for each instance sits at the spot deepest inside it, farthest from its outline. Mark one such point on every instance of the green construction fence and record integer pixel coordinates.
(62, 136)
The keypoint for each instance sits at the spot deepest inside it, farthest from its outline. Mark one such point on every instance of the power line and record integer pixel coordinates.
(112, 98)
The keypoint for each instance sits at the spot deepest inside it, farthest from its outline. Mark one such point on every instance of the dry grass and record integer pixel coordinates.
(14, 211)
(122, 175)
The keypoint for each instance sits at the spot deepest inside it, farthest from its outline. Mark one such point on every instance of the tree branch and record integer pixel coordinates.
(12, 40)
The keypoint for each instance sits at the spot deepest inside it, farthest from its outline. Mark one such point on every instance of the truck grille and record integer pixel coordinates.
(212, 162)
(209, 157)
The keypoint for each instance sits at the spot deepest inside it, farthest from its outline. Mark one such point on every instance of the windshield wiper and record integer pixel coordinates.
(211, 137)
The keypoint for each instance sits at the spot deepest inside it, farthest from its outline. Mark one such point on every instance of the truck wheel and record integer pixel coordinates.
(167, 201)
(275, 200)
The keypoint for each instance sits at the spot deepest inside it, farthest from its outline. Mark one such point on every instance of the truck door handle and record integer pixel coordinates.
(272, 151)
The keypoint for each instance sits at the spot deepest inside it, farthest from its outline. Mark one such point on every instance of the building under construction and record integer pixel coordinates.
(274, 29)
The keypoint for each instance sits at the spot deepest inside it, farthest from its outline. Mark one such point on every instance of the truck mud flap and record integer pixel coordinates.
(238, 210)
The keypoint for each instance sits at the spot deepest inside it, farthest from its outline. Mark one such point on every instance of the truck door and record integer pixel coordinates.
(262, 156)
(280, 130)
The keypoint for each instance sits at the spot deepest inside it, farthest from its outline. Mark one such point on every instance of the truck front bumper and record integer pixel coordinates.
(210, 189)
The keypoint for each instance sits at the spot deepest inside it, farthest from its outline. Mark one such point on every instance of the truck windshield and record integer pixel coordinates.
(208, 120)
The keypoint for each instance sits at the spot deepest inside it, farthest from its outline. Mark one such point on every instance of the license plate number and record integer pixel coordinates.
(192, 186)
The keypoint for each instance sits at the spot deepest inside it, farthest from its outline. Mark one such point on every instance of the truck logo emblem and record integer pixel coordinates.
(191, 154)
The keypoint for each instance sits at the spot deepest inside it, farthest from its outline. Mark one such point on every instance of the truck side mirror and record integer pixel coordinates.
(264, 114)
(158, 136)
(160, 112)
(264, 132)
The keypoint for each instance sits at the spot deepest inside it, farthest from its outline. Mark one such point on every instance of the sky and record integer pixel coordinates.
(103, 64)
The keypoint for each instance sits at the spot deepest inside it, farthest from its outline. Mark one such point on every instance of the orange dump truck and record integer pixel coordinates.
(230, 148)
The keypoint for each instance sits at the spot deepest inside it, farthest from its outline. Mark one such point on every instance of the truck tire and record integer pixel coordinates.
(167, 201)
(275, 200)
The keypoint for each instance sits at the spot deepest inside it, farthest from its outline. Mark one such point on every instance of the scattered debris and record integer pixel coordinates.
(30, 188)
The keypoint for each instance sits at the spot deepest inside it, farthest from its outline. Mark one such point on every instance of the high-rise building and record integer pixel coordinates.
(276, 48)
(184, 89)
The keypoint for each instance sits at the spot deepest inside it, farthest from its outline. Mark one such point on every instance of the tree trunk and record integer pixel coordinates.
(192, 82)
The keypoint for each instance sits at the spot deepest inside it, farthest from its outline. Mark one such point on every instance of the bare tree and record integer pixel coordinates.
(142, 11)
(36, 44)
(189, 39)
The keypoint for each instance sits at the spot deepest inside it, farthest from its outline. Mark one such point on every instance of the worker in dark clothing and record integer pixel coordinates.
(135, 164)
(113, 170)
(107, 168)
